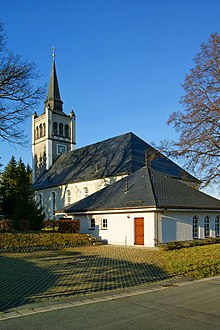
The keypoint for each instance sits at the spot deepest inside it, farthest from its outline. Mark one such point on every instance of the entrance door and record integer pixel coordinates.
(139, 231)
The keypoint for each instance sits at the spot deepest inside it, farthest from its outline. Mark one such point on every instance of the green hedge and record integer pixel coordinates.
(41, 239)
(63, 225)
(174, 245)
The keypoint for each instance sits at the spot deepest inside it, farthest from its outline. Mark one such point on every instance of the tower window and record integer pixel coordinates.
(44, 129)
(41, 130)
(61, 130)
(67, 131)
(37, 132)
(55, 128)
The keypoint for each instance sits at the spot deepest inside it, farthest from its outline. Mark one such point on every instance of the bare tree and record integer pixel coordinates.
(18, 95)
(199, 122)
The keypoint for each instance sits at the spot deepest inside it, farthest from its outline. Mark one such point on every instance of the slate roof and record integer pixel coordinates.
(122, 154)
(145, 188)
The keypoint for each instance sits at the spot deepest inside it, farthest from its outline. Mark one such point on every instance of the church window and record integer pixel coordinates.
(217, 226)
(44, 129)
(86, 191)
(66, 131)
(68, 197)
(206, 226)
(55, 128)
(61, 130)
(41, 130)
(40, 201)
(37, 132)
(53, 204)
(195, 227)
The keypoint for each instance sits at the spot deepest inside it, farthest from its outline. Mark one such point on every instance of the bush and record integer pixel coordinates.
(174, 245)
(63, 225)
(5, 225)
(36, 241)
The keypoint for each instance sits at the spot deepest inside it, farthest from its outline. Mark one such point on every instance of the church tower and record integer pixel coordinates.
(53, 132)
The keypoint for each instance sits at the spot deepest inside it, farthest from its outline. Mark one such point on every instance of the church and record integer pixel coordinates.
(121, 189)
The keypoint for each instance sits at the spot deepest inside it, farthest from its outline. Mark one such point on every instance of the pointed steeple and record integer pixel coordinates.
(53, 96)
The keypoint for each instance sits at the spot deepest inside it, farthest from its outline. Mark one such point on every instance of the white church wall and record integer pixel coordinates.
(77, 190)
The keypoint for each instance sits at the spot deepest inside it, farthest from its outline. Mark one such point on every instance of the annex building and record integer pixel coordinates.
(121, 189)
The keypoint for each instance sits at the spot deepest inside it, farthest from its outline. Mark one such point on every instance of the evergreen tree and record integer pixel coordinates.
(17, 196)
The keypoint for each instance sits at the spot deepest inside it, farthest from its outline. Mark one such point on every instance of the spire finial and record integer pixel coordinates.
(53, 53)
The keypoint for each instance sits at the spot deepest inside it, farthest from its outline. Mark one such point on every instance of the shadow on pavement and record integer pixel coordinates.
(48, 275)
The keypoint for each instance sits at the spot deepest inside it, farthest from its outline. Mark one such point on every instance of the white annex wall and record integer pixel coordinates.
(177, 226)
(120, 227)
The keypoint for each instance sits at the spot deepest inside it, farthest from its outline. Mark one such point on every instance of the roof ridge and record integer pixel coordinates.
(149, 169)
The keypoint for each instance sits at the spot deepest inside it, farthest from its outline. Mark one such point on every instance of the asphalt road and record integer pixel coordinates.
(192, 306)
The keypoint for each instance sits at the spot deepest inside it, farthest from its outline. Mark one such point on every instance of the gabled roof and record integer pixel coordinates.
(145, 188)
(120, 155)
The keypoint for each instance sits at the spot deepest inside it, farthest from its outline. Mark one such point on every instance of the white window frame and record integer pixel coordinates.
(68, 197)
(53, 203)
(61, 148)
(207, 226)
(217, 226)
(40, 200)
(195, 227)
(92, 223)
(105, 224)
(86, 191)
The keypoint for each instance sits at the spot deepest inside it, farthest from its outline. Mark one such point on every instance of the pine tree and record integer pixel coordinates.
(17, 196)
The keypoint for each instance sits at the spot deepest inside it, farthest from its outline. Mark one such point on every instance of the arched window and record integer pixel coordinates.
(44, 129)
(53, 204)
(67, 131)
(37, 132)
(55, 128)
(86, 191)
(40, 201)
(207, 226)
(61, 130)
(217, 226)
(195, 227)
(41, 130)
(68, 197)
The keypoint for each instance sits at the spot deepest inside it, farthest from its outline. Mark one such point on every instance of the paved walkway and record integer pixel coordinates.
(30, 278)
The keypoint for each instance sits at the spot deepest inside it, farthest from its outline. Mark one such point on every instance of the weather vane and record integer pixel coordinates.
(53, 53)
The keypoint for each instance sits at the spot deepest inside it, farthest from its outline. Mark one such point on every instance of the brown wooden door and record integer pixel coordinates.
(139, 231)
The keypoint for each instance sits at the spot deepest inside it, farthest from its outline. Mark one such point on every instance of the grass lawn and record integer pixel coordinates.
(197, 262)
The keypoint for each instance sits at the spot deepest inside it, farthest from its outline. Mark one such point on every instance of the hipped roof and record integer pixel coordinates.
(120, 155)
(145, 188)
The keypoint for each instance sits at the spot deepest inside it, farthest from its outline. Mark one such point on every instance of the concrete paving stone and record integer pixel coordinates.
(45, 276)
(10, 315)
(27, 311)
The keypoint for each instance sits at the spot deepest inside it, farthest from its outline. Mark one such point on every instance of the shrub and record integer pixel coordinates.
(72, 226)
(174, 245)
(5, 225)
(63, 225)
(36, 241)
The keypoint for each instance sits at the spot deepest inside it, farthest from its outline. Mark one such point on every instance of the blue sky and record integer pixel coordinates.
(120, 63)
